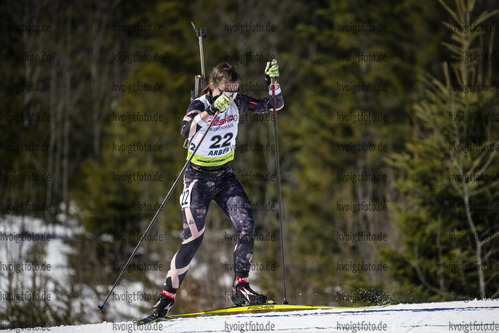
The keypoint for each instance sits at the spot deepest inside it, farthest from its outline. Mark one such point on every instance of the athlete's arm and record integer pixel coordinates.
(194, 118)
(260, 105)
(263, 105)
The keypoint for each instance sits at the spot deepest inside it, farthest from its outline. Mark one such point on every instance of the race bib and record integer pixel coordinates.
(185, 198)
(219, 144)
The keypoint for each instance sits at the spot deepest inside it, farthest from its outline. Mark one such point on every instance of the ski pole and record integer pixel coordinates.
(272, 81)
(101, 307)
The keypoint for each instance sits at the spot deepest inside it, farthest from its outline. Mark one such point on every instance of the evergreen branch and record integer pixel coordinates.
(461, 8)
(484, 16)
(452, 48)
(449, 10)
(488, 239)
(485, 188)
(489, 161)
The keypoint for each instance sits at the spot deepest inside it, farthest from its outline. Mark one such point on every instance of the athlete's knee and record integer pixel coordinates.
(193, 245)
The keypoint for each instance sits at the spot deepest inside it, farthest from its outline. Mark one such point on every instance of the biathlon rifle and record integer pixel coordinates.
(199, 80)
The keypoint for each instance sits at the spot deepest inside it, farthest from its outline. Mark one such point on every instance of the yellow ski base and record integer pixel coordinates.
(267, 307)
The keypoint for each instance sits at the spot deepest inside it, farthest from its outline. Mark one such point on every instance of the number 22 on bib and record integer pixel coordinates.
(185, 198)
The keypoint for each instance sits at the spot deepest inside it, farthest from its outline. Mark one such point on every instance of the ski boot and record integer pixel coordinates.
(164, 304)
(161, 309)
(242, 293)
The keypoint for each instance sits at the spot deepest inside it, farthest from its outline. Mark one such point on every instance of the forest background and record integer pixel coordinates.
(388, 145)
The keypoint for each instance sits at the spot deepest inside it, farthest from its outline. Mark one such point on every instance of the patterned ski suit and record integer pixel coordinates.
(209, 177)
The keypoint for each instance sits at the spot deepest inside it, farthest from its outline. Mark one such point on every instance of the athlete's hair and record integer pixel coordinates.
(222, 72)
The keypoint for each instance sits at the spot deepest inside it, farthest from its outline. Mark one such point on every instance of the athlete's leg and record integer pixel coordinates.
(196, 199)
(233, 201)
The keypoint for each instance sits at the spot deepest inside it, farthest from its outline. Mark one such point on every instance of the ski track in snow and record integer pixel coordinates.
(460, 316)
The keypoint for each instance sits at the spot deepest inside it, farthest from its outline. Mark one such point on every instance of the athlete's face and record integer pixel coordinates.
(225, 87)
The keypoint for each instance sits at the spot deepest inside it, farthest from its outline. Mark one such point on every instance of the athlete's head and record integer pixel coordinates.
(224, 79)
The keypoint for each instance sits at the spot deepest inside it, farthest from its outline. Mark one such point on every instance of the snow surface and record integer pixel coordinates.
(472, 316)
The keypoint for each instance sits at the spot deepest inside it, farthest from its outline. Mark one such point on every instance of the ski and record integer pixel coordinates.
(269, 306)
(262, 307)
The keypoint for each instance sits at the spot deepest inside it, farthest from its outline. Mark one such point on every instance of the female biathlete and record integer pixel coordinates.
(209, 177)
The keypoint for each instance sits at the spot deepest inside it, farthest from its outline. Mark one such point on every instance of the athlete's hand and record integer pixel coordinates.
(220, 104)
(271, 71)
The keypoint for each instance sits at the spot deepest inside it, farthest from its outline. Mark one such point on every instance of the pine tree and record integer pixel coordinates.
(448, 218)
(330, 89)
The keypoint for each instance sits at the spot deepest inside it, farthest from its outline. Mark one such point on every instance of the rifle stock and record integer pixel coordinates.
(199, 84)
